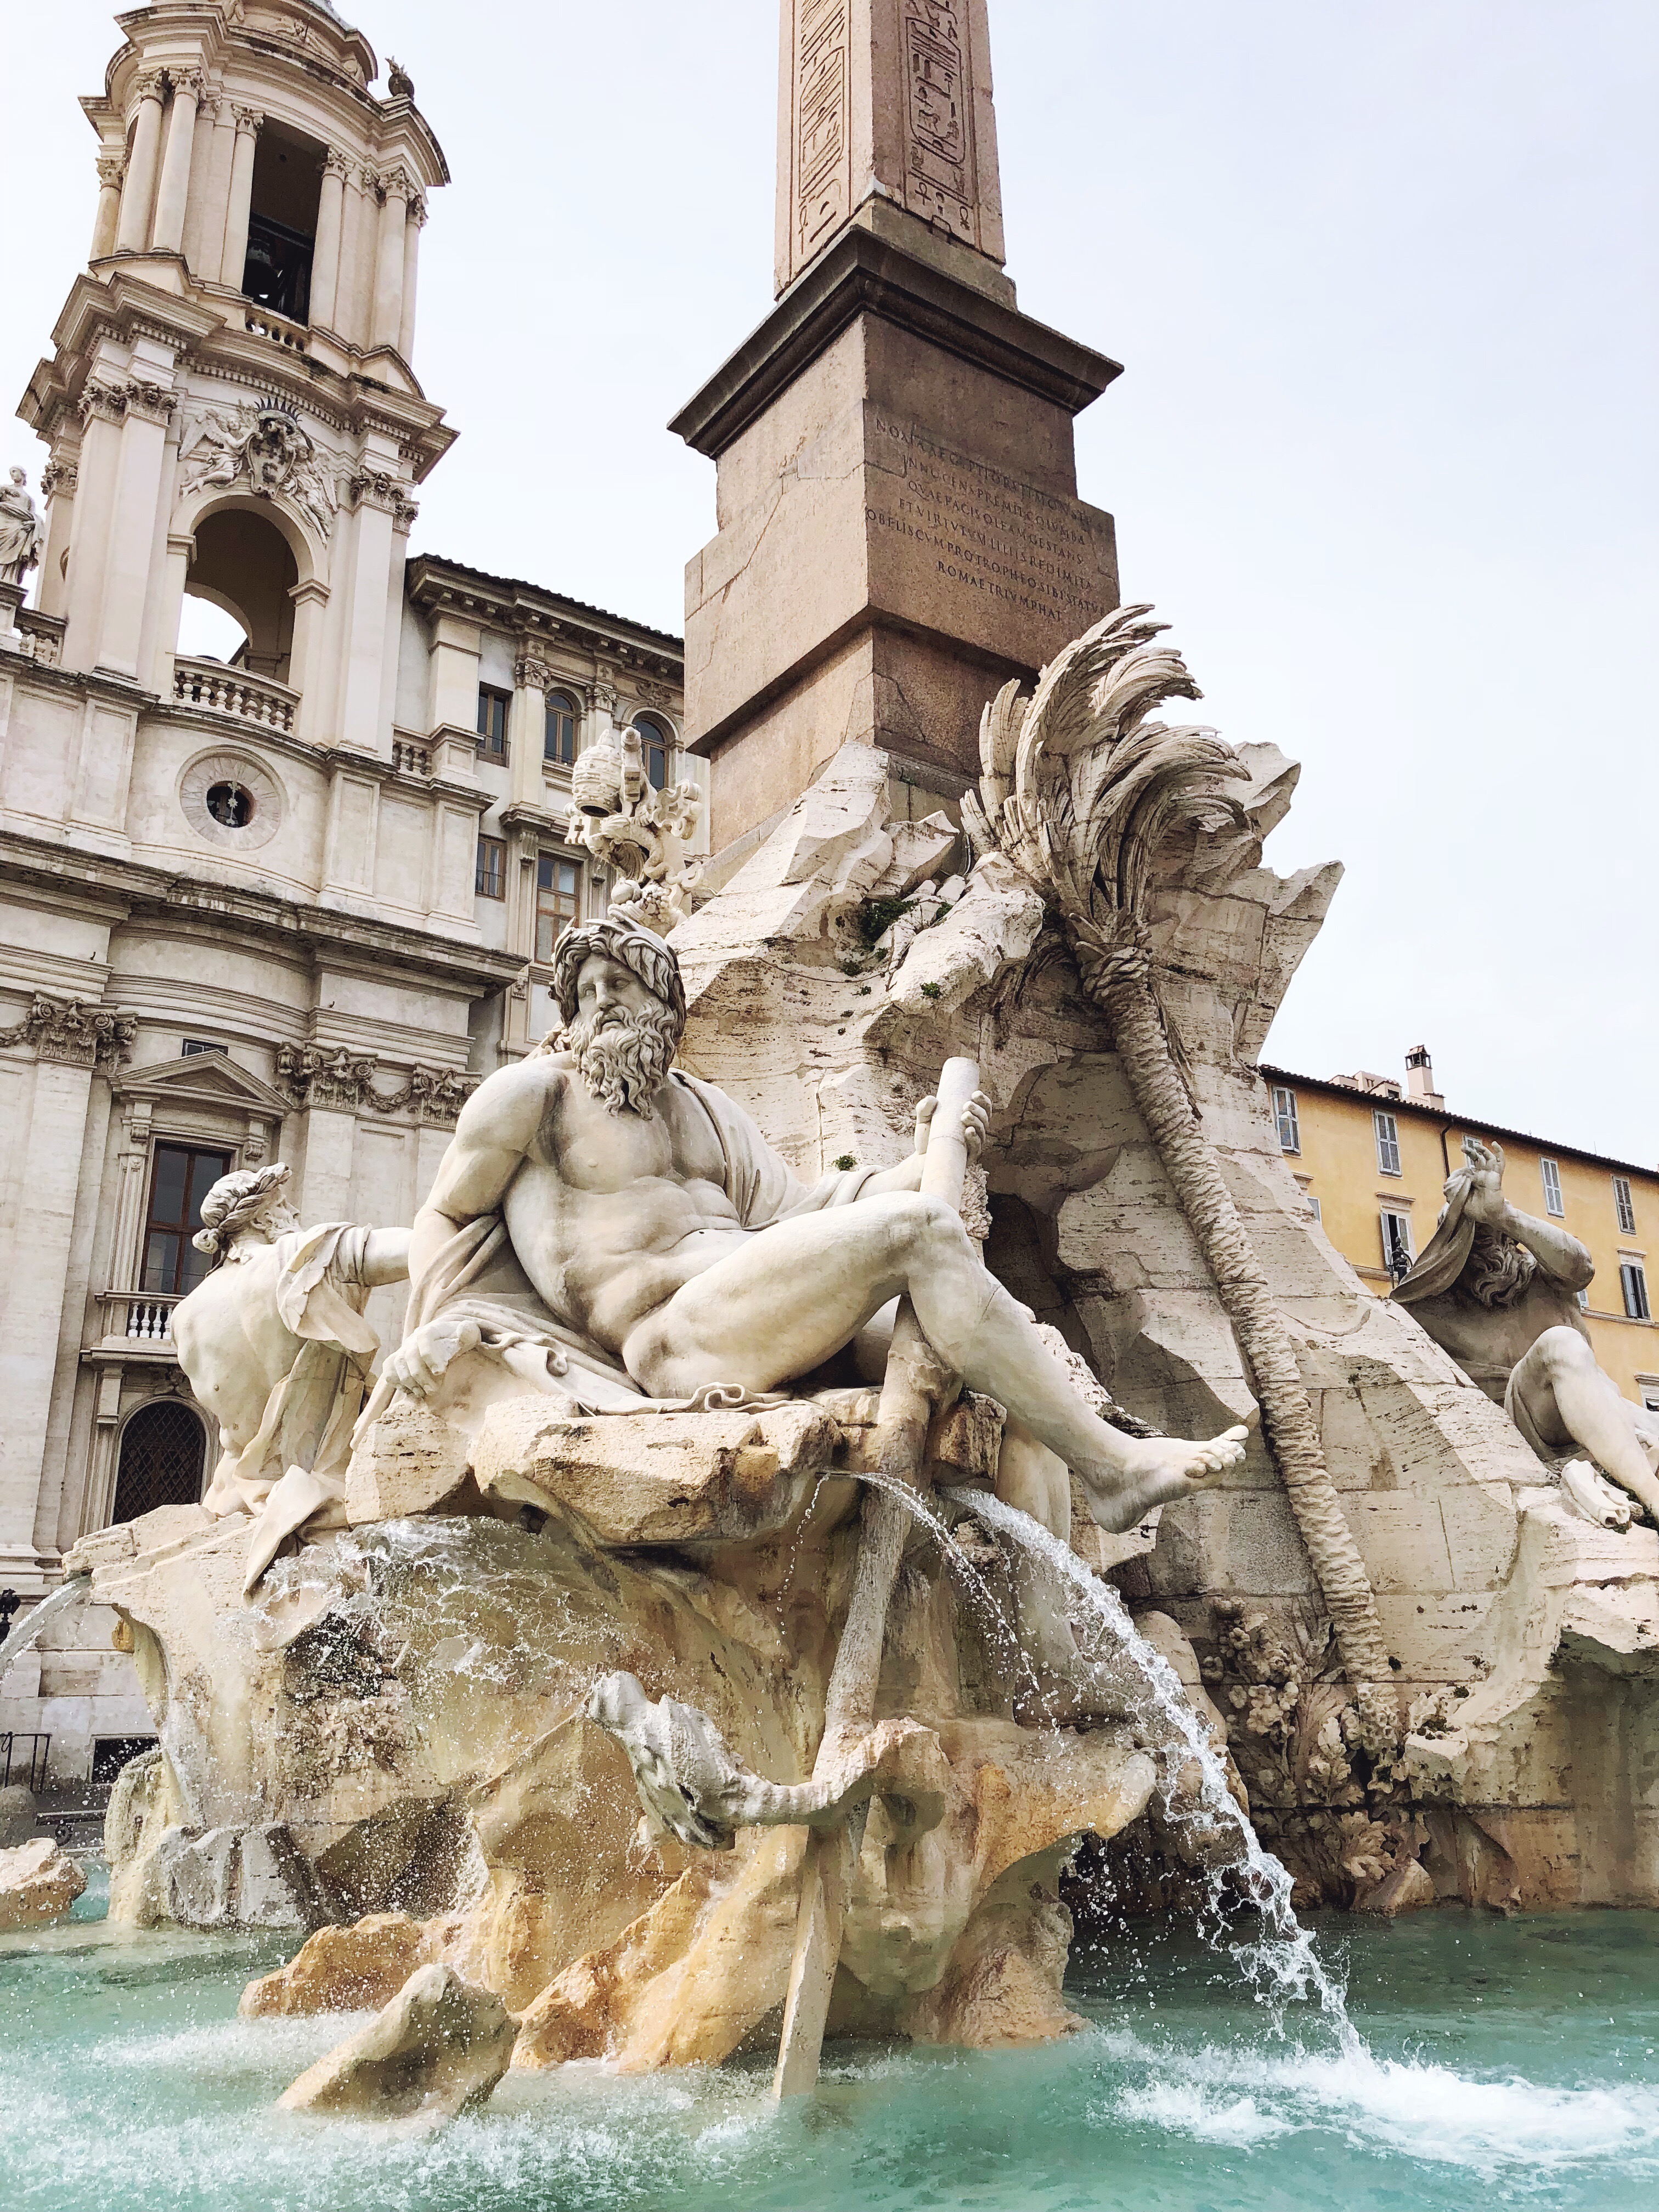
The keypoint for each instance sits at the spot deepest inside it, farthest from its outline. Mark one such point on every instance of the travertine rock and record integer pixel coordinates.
(436, 2051)
(38, 1882)
(680, 1478)
(341, 1969)
(410, 1462)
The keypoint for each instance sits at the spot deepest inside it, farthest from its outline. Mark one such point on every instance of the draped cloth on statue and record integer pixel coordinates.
(475, 1282)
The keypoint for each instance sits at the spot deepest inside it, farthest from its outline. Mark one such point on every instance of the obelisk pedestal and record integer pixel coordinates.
(899, 528)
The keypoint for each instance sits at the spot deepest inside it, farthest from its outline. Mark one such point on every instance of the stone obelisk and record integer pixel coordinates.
(899, 528)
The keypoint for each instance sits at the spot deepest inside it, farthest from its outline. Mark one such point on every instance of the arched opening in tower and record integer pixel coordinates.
(243, 568)
(281, 230)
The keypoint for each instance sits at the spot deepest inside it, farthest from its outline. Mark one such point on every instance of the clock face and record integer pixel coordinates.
(231, 800)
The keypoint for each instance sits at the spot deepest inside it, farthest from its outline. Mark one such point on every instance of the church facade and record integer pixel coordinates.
(292, 904)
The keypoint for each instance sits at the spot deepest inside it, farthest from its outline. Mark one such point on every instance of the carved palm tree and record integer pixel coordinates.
(1081, 792)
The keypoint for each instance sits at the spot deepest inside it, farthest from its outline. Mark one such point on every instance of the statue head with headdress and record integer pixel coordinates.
(623, 1052)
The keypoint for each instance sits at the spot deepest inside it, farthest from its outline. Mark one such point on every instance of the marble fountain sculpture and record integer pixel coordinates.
(695, 1638)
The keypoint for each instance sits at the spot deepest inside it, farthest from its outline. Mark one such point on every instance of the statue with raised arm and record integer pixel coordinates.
(275, 1347)
(607, 1227)
(20, 530)
(1498, 1290)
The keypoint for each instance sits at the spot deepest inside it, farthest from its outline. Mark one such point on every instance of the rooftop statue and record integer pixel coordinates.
(607, 1226)
(1498, 1290)
(20, 530)
(275, 1347)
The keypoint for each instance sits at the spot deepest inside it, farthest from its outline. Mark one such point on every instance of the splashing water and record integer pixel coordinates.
(1283, 1964)
(65, 1596)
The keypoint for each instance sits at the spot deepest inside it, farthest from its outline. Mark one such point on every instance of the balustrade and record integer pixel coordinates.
(217, 690)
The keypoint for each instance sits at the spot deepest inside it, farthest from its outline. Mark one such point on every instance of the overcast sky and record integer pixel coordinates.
(1382, 280)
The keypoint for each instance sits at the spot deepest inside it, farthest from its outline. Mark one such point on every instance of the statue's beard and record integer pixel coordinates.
(1498, 1270)
(623, 1058)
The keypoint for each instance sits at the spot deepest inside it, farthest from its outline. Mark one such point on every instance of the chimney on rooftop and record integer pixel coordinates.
(1420, 1078)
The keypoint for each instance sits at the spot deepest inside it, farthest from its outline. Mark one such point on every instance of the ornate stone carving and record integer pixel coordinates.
(531, 674)
(404, 513)
(79, 1034)
(639, 832)
(101, 403)
(59, 476)
(267, 447)
(417, 210)
(250, 119)
(186, 82)
(20, 530)
(652, 695)
(149, 401)
(111, 170)
(337, 164)
(822, 151)
(399, 84)
(375, 488)
(345, 1082)
(150, 84)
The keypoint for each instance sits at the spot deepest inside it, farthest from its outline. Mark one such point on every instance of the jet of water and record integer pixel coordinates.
(1283, 1964)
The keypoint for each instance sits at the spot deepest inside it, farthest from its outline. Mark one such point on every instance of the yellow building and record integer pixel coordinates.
(1372, 1155)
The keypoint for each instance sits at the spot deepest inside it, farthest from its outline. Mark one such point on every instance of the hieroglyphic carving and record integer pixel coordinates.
(938, 174)
(822, 150)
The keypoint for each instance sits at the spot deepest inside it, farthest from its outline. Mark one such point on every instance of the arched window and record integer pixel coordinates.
(163, 1448)
(655, 744)
(559, 745)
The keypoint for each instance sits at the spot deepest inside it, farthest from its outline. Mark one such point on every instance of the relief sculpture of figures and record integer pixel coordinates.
(1499, 1290)
(275, 1347)
(606, 1225)
(20, 530)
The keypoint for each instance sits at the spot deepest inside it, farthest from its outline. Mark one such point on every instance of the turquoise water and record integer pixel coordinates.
(1508, 2063)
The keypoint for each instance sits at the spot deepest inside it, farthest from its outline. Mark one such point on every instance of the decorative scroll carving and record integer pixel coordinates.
(59, 477)
(345, 1082)
(376, 488)
(532, 675)
(266, 445)
(78, 1034)
(111, 170)
(149, 402)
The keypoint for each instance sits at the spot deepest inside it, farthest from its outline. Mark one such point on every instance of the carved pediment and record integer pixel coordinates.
(204, 1078)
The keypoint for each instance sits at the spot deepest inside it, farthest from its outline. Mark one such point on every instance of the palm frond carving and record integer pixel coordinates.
(1085, 793)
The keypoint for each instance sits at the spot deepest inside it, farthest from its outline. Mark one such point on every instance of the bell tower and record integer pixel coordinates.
(232, 406)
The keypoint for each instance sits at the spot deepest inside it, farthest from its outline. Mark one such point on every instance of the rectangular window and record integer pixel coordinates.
(489, 877)
(1314, 1208)
(1552, 1175)
(1396, 1244)
(1387, 1143)
(558, 901)
(1623, 1206)
(559, 740)
(193, 1045)
(180, 1178)
(1583, 1298)
(492, 720)
(1633, 1281)
(1289, 1139)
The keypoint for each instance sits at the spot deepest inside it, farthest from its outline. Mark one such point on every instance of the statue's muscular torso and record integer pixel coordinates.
(609, 1213)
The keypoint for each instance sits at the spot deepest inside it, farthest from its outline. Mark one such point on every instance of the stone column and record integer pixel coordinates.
(532, 680)
(102, 408)
(304, 661)
(168, 233)
(326, 261)
(59, 480)
(239, 206)
(106, 224)
(412, 230)
(387, 324)
(148, 410)
(131, 1167)
(50, 1172)
(133, 232)
(600, 719)
(376, 494)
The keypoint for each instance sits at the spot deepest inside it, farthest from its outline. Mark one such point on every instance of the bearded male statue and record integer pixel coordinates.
(275, 1346)
(607, 1226)
(1498, 1290)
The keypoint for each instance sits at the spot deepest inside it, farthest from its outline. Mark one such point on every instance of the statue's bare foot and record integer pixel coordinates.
(1153, 1471)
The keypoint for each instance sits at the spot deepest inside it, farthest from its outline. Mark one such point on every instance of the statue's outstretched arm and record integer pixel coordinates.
(1559, 1255)
(385, 1256)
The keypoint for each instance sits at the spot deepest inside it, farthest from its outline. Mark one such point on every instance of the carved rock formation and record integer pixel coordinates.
(435, 2051)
